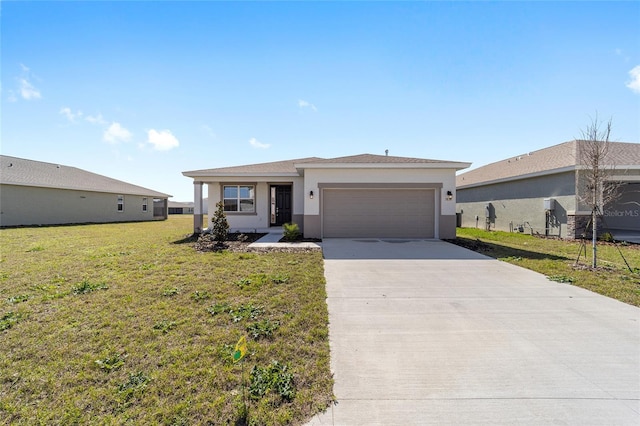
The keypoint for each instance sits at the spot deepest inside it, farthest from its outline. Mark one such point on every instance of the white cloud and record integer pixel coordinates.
(634, 84)
(116, 133)
(305, 104)
(162, 140)
(71, 116)
(27, 90)
(257, 144)
(95, 119)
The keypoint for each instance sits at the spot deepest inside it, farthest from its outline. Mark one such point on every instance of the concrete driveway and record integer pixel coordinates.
(425, 332)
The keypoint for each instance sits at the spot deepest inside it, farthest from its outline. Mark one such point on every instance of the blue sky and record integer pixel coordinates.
(141, 91)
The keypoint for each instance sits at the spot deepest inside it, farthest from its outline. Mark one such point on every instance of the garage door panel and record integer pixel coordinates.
(383, 213)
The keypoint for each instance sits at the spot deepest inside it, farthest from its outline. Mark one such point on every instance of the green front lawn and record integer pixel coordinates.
(557, 260)
(127, 323)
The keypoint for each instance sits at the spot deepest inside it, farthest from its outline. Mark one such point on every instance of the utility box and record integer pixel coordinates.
(549, 204)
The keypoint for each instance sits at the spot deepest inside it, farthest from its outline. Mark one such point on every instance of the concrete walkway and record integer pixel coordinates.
(425, 332)
(272, 240)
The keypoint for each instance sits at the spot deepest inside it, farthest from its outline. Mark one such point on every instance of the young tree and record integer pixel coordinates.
(220, 225)
(596, 189)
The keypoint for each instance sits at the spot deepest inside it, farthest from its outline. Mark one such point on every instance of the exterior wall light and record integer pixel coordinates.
(311, 194)
(449, 196)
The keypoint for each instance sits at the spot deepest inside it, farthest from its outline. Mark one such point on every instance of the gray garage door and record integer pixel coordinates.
(378, 213)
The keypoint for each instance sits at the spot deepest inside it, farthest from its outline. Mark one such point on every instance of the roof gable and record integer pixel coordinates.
(19, 171)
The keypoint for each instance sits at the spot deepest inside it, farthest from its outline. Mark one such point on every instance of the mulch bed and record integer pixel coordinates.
(239, 243)
(477, 245)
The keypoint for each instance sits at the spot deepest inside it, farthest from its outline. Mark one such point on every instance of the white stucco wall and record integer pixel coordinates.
(261, 218)
(313, 177)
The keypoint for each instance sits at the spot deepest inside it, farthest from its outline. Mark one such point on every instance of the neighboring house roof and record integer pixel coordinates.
(178, 204)
(555, 159)
(292, 167)
(18, 171)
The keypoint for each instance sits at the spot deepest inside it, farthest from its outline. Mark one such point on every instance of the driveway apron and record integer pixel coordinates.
(425, 332)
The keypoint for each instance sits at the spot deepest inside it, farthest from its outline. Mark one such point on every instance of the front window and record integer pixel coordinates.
(239, 198)
(120, 203)
(144, 204)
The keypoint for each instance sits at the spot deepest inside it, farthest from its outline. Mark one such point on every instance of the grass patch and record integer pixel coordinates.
(111, 362)
(8, 320)
(18, 299)
(156, 347)
(87, 287)
(557, 260)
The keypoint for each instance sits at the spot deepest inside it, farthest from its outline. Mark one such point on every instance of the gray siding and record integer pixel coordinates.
(624, 212)
(25, 205)
(520, 203)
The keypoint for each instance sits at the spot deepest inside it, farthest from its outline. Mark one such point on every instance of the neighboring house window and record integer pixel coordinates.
(120, 203)
(144, 204)
(239, 198)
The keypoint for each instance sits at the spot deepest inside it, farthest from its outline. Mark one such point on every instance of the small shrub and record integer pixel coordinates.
(35, 248)
(291, 231)
(110, 363)
(274, 378)
(607, 237)
(8, 320)
(87, 287)
(220, 225)
(262, 329)
(170, 292)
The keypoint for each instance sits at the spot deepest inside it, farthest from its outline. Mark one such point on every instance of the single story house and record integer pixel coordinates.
(176, 207)
(38, 193)
(542, 192)
(360, 196)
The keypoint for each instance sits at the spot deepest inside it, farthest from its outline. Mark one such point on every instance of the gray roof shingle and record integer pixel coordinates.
(377, 159)
(276, 167)
(288, 167)
(18, 171)
(564, 156)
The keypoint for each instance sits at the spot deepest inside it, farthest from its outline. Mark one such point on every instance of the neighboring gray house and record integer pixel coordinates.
(366, 196)
(538, 192)
(38, 193)
(176, 207)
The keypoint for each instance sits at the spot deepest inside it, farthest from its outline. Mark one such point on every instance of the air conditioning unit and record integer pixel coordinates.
(549, 204)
